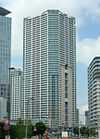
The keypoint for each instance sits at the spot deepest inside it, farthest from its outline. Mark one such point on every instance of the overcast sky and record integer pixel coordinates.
(87, 13)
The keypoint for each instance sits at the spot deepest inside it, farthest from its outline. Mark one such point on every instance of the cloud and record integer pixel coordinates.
(82, 10)
(87, 49)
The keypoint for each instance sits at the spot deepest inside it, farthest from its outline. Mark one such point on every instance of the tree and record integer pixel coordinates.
(2, 135)
(92, 132)
(84, 131)
(76, 130)
(18, 130)
(40, 128)
(13, 132)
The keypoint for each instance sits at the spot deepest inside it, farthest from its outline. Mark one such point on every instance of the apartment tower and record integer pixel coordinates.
(94, 94)
(49, 64)
(16, 92)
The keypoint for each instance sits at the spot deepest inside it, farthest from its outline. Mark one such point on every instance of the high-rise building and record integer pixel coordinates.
(16, 91)
(3, 107)
(5, 54)
(50, 69)
(87, 118)
(94, 93)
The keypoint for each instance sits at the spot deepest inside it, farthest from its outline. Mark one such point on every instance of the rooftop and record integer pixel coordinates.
(4, 12)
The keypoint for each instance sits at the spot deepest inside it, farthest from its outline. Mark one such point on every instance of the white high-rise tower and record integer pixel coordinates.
(94, 94)
(16, 93)
(50, 69)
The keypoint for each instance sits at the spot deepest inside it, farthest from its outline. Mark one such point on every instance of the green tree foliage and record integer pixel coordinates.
(2, 135)
(40, 127)
(13, 132)
(85, 131)
(18, 130)
(92, 132)
(76, 131)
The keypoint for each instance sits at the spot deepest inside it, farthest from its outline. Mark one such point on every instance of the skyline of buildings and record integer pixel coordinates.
(87, 33)
(50, 60)
(50, 68)
(5, 59)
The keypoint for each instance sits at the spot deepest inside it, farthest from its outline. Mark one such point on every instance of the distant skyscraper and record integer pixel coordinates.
(50, 69)
(87, 118)
(16, 86)
(94, 93)
(3, 107)
(5, 53)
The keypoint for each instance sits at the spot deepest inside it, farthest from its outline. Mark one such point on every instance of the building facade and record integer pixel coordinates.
(49, 61)
(16, 92)
(94, 93)
(5, 54)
